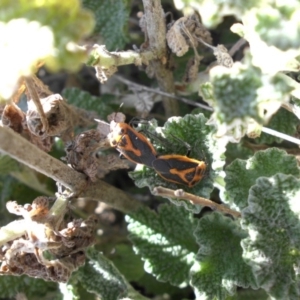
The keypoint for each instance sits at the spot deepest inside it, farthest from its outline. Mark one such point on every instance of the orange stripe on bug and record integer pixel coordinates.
(132, 144)
(179, 169)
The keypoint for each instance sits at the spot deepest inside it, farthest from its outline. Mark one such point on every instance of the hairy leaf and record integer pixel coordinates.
(221, 267)
(243, 96)
(101, 277)
(165, 241)
(31, 287)
(234, 151)
(25, 175)
(216, 10)
(49, 29)
(83, 99)
(8, 164)
(111, 21)
(242, 174)
(235, 93)
(278, 25)
(129, 264)
(273, 245)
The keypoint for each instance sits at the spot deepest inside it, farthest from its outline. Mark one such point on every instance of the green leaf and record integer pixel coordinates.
(284, 122)
(111, 21)
(150, 284)
(165, 241)
(221, 266)
(249, 294)
(33, 288)
(278, 25)
(234, 91)
(272, 248)
(83, 99)
(216, 10)
(172, 139)
(234, 151)
(242, 174)
(64, 25)
(101, 277)
(7, 165)
(129, 264)
(243, 93)
(25, 175)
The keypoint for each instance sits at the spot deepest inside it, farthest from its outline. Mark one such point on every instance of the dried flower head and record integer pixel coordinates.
(44, 229)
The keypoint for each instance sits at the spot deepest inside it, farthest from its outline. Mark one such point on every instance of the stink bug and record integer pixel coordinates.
(132, 144)
(179, 169)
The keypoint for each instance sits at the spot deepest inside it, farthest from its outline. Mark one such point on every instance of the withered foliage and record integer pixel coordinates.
(61, 118)
(14, 118)
(191, 70)
(223, 57)
(64, 242)
(82, 154)
(187, 32)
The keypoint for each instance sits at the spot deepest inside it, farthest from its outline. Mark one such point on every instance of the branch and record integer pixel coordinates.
(101, 57)
(156, 33)
(35, 98)
(23, 151)
(168, 193)
(140, 87)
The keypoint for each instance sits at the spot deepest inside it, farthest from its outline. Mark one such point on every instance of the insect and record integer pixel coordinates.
(179, 169)
(132, 144)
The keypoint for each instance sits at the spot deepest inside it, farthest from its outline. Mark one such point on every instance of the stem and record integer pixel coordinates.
(134, 85)
(101, 57)
(23, 151)
(280, 135)
(168, 193)
(11, 231)
(35, 98)
(14, 145)
(156, 32)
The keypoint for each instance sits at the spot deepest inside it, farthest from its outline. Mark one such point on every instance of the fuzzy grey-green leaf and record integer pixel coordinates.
(85, 100)
(165, 241)
(242, 174)
(279, 25)
(111, 21)
(221, 267)
(31, 287)
(273, 245)
(101, 277)
(235, 92)
(8, 164)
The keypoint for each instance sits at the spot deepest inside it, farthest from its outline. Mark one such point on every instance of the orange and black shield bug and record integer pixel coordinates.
(132, 144)
(179, 169)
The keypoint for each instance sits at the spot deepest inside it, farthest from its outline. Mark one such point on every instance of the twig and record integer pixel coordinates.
(164, 192)
(101, 57)
(280, 135)
(156, 32)
(237, 46)
(23, 151)
(35, 98)
(150, 90)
